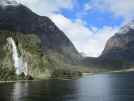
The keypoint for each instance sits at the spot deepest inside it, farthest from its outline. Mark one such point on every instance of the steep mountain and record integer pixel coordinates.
(17, 50)
(121, 45)
(18, 18)
(46, 50)
(33, 45)
(119, 49)
(118, 52)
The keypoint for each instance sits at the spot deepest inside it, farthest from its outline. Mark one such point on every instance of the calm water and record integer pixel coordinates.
(113, 87)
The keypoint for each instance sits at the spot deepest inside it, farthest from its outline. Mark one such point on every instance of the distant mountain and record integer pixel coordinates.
(118, 52)
(121, 45)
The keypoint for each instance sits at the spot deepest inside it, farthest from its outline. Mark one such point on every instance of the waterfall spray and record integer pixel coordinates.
(19, 64)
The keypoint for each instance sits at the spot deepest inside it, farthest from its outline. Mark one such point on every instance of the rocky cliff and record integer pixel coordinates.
(36, 43)
(118, 52)
(18, 18)
(121, 45)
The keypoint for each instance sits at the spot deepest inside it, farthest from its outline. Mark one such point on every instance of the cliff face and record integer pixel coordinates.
(26, 51)
(121, 45)
(119, 48)
(118, 52)
(28, 48)
(38, 41)
(46, 48)
(19, 18)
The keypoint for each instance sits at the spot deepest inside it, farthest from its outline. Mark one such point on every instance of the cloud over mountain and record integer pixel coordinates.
(88, 40)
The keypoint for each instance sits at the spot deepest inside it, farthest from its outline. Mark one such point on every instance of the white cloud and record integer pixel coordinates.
(46, 7)
(85, 40)
(89, 41)
(87, 7)
(124, 8)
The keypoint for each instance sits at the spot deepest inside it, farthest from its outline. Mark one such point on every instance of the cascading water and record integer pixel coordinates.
(19, 64)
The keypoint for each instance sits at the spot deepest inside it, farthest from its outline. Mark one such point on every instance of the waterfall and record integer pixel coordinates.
(19, 64)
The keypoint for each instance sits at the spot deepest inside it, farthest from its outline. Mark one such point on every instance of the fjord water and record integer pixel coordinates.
(102, 87)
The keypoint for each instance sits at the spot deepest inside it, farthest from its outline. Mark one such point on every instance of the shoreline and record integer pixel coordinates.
(83, 75)
(108, 72)
(17, 81)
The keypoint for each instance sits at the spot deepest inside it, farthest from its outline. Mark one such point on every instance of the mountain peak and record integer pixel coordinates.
(21, 19)
(127, 28)
(5, 3)
(121, 45)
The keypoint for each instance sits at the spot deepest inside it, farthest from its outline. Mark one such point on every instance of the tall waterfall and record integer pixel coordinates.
(19, 64)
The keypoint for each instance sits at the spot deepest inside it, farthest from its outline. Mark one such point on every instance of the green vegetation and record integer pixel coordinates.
(6, 74)
(41, 65)
(29, 47)
(65, 74)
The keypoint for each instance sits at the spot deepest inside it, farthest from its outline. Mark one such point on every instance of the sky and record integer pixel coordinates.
(87, 23)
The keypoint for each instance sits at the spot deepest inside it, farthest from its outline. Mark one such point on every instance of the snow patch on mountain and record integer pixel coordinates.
(4, 3)
(127, 28)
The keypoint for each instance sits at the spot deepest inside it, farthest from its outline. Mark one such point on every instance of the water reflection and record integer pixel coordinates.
(57, 90)
(95, 88)
(114, 87)
(6, 91)
(20, 90)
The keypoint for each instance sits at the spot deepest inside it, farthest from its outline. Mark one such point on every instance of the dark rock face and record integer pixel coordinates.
(120, 46)
(21, 19)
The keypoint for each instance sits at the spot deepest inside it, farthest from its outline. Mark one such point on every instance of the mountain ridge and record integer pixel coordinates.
(47, 51)
(39, 39)
(21, 19)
